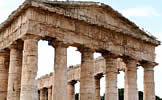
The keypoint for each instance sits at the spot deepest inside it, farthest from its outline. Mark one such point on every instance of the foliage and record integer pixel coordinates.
(77, 96)
(121, 95)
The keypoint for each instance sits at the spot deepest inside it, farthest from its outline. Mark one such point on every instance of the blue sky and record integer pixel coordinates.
(145, 13)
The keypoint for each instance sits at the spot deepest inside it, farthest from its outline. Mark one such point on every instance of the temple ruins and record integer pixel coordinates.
(90, 27)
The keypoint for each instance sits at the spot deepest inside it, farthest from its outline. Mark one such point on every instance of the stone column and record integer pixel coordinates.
(29, 68)
(50, 93)
(149, 85)
(111, 91)
(130, 90)
(42, 94)
(4, 65)
(79, 95)
(97, 87)
(71, 90)
(15, 68)
(87, 74)
(60, 71)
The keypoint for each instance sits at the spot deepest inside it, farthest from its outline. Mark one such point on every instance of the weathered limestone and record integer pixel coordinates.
(71, 90)
(50, 93)
(4, 65)
(80, 24)
(60, 71)
(15, 69)
(42, 94)
(149, 85)
(111, 91)
(87, 74)
(29, 68)
(97, 87)
(130, 89)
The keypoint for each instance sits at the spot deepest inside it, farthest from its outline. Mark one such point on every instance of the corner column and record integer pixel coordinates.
(149, 84)
(130, 90)
(15, 69)
(60, 71)
(50, 93)
(71, 90)
(29, 68)
(4, 65)
(87, 74)
(111, 91)
(97, 87)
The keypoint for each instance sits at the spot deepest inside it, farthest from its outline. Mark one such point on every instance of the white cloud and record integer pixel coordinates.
(144, 11)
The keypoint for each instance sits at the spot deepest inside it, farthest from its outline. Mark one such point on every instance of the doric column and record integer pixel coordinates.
(130, 90)
(15, 69)
(149, 85)
(111, 91)
(97, 87)
(4, 65)
(42, 94)
(60, 71)
(29, 68)
(50, 93)
(87, 74)
(71, 90)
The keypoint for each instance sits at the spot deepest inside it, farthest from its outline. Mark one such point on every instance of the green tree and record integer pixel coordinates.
(77, 96)
(121, 95)
(140, 94)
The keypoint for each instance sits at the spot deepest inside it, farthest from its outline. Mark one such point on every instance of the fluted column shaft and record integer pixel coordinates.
(111, 91)
(60, 71)
(15, 69)
(42, 94)
(29, 68)
(4, 65)
(71, 91)
(87, 74)
(130, 90)
(50, 93)
(149, 85)
(97, 88)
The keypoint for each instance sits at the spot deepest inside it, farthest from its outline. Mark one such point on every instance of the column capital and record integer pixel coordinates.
(107, 55)
(17, 45)
(56, 43)
(85, 49)
(4, 52)
(31, 36)
(98, 76)
(73, 82)
(128, 60)
(146, 64)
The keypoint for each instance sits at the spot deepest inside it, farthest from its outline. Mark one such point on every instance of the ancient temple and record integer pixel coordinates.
(89, 26)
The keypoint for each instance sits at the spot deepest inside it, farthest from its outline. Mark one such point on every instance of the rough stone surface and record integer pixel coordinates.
(42, 94)
(79, 22)
(60, 71)
(87, 75)
(97, 88)
(50, 93)
(130, 89)
(89, 26)
(15, 69)
(4, 65)
(71, 91)
(74, 73)
(149, 85)
(29, 68)
(111, 90)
